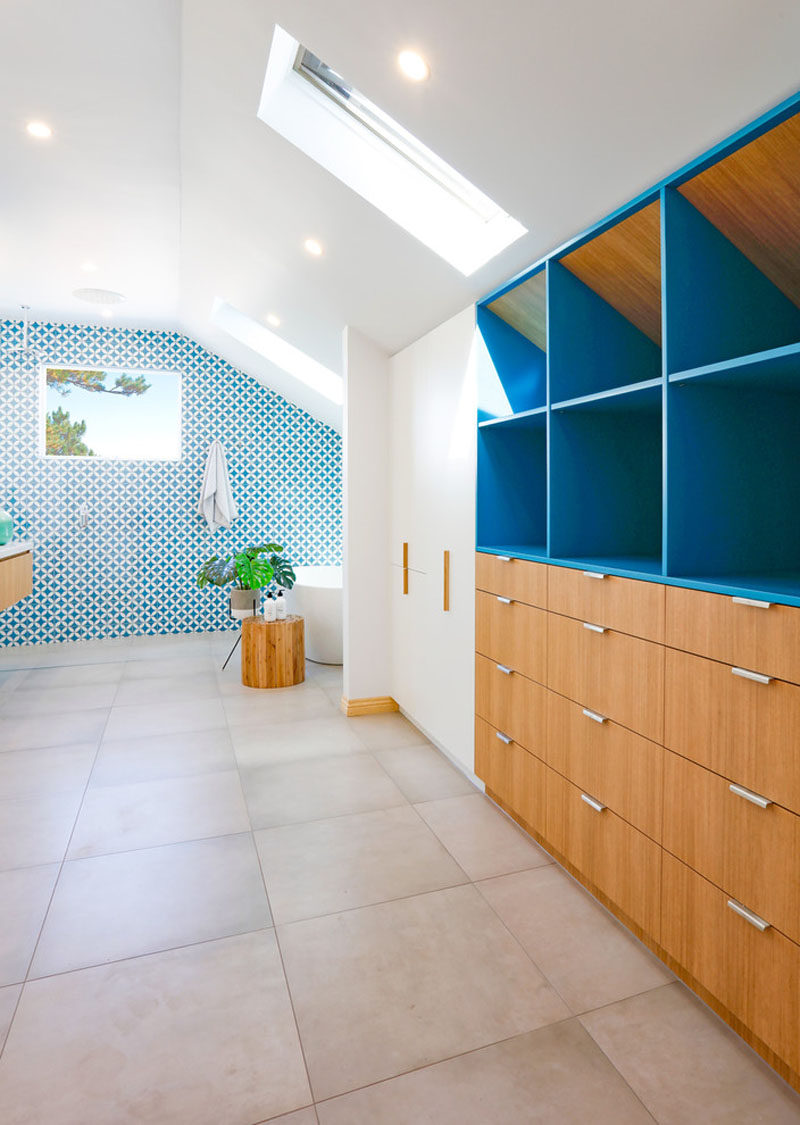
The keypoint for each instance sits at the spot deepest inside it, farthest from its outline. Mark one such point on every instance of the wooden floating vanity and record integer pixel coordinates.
(16, 572)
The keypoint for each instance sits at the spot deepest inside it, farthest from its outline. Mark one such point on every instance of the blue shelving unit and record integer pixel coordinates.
(640, 414)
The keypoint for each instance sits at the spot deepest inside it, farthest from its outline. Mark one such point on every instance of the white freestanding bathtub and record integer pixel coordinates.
(317, 596)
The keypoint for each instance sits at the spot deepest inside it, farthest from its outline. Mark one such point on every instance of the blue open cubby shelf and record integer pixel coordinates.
(639, 396)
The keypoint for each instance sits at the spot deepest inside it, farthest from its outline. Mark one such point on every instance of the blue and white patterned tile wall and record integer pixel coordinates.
(132, 570)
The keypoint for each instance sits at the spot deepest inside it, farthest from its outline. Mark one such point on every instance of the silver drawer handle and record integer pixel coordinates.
(756, 677)
(749, 795)
(748, 915)
(593, 574)
(593, 628)
(505, 601)
(593, 715)
(503, 558)
(503, 737)
(751, 601)
(502, 668)
(590, 801)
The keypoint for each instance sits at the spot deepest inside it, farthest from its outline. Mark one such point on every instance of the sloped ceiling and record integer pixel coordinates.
(161, 173)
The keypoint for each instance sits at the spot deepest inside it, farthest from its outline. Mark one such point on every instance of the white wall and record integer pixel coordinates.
(433, 450)
(367, 654)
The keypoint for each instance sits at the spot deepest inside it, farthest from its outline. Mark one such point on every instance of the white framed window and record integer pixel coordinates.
(109, 413)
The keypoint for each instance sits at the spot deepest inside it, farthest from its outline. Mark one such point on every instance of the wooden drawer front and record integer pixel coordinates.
(756, 975)
(512, 774)
(511, 703)
(751, 852)
(619, 603)
(622, 769)
(621, 862)
(618, 676)
(16, 578)
(749, 732)
(513, 634)
(519, 579)
(764, 640)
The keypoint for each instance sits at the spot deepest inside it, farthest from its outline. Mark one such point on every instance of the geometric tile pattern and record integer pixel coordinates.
(132, 570)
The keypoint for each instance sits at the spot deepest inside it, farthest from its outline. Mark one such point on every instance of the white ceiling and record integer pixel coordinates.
(161, 173)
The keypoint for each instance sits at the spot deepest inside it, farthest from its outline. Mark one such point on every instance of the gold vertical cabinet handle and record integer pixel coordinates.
(405, 568)
(446, 598)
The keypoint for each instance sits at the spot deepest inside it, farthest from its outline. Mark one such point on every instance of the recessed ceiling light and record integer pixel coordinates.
(274, 320)
(313, 247)
(39, 129)
(98, 296)
(89, 267)
(413, 65)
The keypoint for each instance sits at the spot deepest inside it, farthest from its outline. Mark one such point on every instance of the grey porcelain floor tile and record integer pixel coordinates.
(185, 668)
(77, 675)
(554, 1076)
(11, 680)
(387, 732)
(36, 731)
(57, 700)
(203, 1034)
(137, 721)
(330, 865)
(293, 792)
(8, 1002)
(36, 830)
(383, 989)
(161, 756)
(480, 837)
(686, 1065)
(124, 905)
(423, 774)
(166, 689)
(62, 655)
(300, 1117)
(24, 896)
(118, 818)
(41, 773)
(260, 744)
(285, 707)
(588, 957)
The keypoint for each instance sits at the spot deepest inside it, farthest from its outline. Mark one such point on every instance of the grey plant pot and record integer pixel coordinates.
(244, 603)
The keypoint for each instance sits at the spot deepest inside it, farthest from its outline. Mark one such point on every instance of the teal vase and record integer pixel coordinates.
(6, 527)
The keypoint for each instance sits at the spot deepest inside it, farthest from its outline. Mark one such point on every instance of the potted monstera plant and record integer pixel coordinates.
(251, 570)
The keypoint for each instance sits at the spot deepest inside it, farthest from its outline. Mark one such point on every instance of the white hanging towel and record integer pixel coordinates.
(217, 505)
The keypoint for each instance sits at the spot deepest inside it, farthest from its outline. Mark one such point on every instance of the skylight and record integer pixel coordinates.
(278, 351)
(316, 109)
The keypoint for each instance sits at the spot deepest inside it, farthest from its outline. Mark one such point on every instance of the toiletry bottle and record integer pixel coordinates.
(280, 606)
(269, 609)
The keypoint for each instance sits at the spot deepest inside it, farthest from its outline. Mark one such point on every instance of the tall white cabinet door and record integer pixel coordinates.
(433, 509)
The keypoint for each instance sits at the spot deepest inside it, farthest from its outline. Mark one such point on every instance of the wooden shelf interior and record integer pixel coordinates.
(512, 484)
(605, 466)
(513, 376)
(734, 480)
(605, 309)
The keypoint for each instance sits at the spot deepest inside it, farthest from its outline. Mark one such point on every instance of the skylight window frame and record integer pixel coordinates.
(318, 125)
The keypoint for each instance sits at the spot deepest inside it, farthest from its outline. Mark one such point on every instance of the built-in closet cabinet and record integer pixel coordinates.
(433, 511)
(638, 570)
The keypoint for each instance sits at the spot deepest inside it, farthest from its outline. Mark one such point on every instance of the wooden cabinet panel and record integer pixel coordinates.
(618, 676)
(512, 773)
(621, 862)
(618, 603)
(16, 578)
(759, 639)
(511, 703)
(755, 975)
(746, 731)
(621, 769)
(512, 633)
(751, 852)
(520, 579)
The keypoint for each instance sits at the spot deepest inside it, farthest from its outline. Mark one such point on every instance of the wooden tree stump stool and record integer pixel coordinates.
(273, 652)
